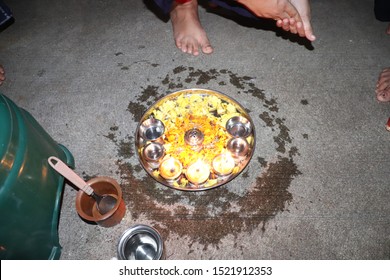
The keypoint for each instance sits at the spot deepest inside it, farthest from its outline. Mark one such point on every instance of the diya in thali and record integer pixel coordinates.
(195, 139)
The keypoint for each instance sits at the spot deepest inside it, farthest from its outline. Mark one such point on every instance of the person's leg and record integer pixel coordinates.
(6, 17)
(190, 37)
(382, 12)
(2, 75)
(383, 86)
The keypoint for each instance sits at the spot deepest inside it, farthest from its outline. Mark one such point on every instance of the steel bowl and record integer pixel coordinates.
(153, 153)
(238, 147)
(151, 129)
(238, 126)
(140, 242)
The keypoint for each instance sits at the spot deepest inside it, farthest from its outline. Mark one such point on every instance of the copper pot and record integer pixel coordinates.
(86, 205)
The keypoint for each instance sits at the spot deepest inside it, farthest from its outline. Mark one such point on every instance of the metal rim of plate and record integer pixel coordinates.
(140, 143)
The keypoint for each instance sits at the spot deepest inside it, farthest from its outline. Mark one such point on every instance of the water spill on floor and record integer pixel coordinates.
(209, 216)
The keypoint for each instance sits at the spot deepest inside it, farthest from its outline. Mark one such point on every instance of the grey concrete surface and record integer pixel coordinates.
(317, 186)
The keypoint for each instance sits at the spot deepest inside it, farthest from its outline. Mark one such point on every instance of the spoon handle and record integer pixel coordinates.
(69, 174)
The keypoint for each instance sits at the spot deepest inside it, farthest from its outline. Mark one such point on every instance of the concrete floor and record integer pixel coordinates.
(317, 186)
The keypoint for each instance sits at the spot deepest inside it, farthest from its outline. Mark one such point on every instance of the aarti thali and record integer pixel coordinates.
(195, 139)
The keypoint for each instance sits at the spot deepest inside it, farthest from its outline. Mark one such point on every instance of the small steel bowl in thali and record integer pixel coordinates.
(181, 137)
(239, 126)
(151, 129)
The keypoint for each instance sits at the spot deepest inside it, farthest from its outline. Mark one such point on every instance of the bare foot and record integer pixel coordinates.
(388, 29)
(282, 11)
(383, 86)
(303, 8)
(2, 74)
(274, 9)
(188, 32)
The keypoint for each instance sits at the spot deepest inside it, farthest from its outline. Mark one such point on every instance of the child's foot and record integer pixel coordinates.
(2, 75)
(383, 86)
(188, 32)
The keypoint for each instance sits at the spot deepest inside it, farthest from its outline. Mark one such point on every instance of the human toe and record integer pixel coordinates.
(293, 26)
(311, 37)
(300, 29)
(184, 48)
(286, 24)
(189, 49)
(208, 49)
(383, 96)
(309, 32)
(195, 50)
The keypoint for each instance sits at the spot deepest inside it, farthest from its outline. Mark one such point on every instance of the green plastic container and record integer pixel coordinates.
(30, 190)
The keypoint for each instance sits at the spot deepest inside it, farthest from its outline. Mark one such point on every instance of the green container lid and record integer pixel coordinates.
(30, 191)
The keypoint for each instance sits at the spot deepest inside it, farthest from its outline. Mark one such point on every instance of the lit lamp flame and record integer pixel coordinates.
(170, 168)
(198, 172)
(223, 164)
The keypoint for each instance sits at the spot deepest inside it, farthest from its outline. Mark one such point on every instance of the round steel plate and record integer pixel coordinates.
(199, 145)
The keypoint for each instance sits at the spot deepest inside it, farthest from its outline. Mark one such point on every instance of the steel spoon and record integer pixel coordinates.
(104, 203)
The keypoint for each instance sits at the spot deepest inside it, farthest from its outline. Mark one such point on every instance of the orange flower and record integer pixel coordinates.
(215, 138)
